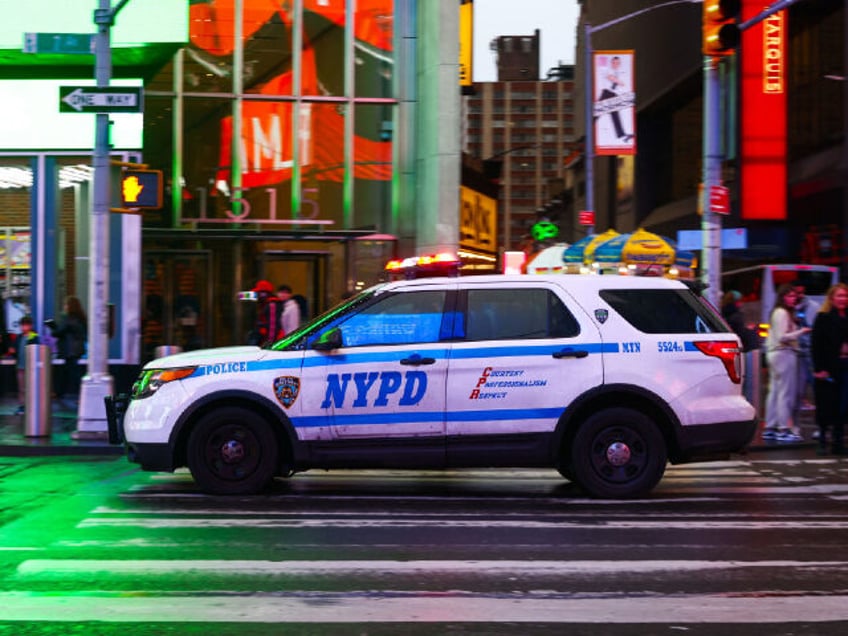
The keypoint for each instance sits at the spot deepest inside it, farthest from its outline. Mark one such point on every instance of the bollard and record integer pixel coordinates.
(166, 350)
(38, 390)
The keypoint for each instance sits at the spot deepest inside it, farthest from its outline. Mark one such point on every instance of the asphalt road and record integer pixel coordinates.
(91, 545)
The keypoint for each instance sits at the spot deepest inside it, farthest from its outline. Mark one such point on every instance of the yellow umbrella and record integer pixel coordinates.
(639, 248)
(583, 250)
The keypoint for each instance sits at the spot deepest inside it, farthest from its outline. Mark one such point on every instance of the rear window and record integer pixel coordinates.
(816, 283)
(664, 310)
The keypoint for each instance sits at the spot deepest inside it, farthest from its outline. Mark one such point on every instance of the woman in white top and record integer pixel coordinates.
(782, 357)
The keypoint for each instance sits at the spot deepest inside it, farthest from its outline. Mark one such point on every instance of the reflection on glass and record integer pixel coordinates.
(374, 49)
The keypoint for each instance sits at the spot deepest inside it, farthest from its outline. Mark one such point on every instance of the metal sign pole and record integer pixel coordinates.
(97, 383)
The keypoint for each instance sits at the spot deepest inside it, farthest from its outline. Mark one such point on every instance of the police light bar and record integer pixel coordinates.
(441, 264)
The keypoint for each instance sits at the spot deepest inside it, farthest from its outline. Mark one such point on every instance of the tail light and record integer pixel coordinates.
(728, 352)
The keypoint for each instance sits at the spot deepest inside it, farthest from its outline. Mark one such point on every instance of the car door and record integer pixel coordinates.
(522, 354)
(388, 377)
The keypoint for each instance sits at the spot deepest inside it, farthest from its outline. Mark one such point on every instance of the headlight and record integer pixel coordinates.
(152, 379)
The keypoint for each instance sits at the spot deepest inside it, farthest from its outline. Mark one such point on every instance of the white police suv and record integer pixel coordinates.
(605, 378)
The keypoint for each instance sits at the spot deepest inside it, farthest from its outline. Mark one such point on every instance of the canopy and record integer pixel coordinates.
(643, 248)
(548, 261)
(583, 250)
(637, 247)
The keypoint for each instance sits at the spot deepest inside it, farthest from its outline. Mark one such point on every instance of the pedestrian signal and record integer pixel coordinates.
(141, 189)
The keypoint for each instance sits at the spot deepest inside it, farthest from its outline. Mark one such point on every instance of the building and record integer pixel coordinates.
(522, 129)
(295, 141)
(658, 188)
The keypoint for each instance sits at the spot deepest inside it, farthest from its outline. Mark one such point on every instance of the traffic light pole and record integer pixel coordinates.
(712, 158)
(97, 383)
(710, 221)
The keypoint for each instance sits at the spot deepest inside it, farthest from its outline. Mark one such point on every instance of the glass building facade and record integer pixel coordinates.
(275, 128)
(305, 142)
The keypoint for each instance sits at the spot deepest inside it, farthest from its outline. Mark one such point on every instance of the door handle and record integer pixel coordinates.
(570, 353)
(416, 360)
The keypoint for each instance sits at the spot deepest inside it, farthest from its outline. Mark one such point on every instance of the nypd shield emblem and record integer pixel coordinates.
(286, 388)
(601, 315)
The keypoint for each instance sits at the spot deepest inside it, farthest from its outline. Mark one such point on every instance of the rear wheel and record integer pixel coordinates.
(618, 453)
(232, 451)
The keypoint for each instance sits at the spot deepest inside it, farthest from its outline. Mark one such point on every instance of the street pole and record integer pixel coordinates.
(710, 221)
(97, 383)
(588, 102)
(712, 158)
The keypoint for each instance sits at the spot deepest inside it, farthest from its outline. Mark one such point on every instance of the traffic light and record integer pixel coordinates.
(721, 34)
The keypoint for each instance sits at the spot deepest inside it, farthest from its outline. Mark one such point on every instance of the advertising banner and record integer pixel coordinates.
(762, 119)
(614, 101)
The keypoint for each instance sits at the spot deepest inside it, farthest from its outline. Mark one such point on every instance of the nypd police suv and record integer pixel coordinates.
(603, 378)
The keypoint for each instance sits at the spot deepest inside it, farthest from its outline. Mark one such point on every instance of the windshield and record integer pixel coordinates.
(298, 338)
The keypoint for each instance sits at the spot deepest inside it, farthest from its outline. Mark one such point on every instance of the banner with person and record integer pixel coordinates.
(614, 102)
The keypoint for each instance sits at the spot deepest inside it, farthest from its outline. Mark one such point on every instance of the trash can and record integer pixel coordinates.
(166, 350)
(38, 390)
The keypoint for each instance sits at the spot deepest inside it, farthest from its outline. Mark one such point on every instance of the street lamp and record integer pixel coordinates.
(588, 97)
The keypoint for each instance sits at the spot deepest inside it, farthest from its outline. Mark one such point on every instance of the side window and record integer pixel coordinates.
(517, 314)
(664, 310)
(396, 319)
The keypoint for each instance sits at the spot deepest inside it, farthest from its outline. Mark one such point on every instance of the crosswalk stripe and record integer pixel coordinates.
(158, 567)
(389, 522)
(421, 607)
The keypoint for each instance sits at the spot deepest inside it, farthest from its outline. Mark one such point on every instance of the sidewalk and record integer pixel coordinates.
(13, 442)
(63, 422)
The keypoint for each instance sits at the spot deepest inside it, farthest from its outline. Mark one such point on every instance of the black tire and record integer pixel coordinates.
(618, 453)
(232, 451)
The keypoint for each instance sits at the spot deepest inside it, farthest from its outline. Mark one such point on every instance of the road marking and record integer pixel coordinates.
(416, 522)
(159, 567)
(420, 607)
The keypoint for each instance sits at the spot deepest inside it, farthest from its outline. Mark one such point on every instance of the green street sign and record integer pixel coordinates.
(59, 43)
(96, 99)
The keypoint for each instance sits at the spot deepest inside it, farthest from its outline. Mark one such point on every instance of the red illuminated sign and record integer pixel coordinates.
(586, 217)
(719, 200)
(762, 143)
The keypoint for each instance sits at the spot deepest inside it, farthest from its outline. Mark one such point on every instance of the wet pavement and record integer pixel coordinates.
(58, 434)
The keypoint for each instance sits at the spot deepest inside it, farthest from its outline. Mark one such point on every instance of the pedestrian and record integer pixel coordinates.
(290, 315)
(267, 326)
(829, 342)
(806, 310)
(782, 359)
(71, 332)
(731, 311)
(25, 337)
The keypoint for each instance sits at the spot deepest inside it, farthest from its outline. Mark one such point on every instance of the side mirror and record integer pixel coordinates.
(329, 340)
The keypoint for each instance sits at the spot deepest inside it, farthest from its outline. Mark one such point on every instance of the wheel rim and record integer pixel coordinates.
(619, 454)
(232, 452)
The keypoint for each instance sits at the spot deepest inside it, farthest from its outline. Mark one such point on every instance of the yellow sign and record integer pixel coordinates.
(466, 42)
(478, 221)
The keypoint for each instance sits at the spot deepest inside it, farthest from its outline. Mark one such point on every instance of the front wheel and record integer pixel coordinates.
(618, 453)
(232, 451)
